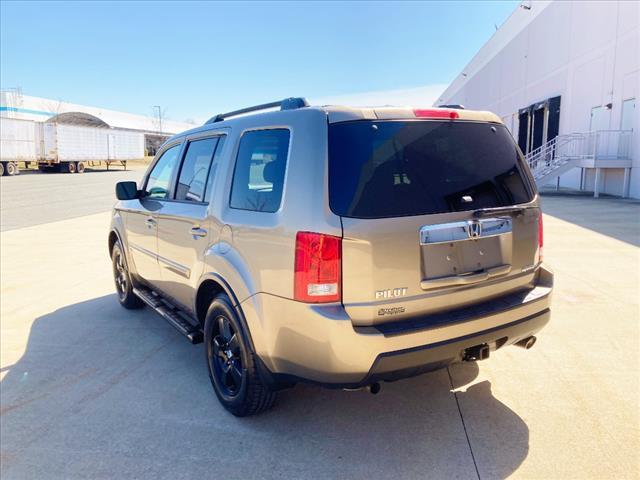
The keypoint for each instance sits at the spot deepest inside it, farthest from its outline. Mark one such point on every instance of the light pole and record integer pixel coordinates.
(159, 117)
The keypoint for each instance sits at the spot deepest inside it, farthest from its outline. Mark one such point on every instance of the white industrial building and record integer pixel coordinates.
(64, 136)
(564, 77)
(13, 104)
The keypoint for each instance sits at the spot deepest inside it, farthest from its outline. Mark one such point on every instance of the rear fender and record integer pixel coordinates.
(226, 267)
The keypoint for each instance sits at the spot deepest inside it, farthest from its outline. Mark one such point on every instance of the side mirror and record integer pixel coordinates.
(126, 190)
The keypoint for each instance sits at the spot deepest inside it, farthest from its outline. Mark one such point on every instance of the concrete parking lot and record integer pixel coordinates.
(89, 390)
(33, 198)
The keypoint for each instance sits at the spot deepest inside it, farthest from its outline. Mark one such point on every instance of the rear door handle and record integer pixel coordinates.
(151, 222)
(198, 232)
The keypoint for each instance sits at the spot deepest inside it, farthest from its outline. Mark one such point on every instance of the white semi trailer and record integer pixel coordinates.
(18, 143)
(64, 147)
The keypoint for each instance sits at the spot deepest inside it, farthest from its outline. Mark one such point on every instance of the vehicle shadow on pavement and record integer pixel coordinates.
(105, 392)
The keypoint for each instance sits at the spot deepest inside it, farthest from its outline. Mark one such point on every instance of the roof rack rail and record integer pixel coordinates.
(454, 105)
(291, 103)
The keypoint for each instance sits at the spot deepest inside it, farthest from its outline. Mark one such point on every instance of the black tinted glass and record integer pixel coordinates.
(400, 168)
(258, 178)
(195, 168)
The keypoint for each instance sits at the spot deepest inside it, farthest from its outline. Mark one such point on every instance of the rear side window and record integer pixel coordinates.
(197, 162)
(258, 178)
(400, 168)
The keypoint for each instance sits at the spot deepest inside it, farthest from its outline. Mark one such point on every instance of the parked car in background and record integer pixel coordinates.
(333, 245)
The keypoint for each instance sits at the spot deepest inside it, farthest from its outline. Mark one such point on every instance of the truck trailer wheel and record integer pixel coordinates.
(71, 167)
(80, 167)
(10, 169)
(1, 169)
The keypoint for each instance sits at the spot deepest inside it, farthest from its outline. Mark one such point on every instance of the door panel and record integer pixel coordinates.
(183, 225)
(141, 218)
(183, 235)
(141, 228)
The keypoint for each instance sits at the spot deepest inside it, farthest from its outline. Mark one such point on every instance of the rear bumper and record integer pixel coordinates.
(415, 361)
(300, 342)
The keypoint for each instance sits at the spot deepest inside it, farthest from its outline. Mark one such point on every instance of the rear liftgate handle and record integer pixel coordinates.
(469, 279)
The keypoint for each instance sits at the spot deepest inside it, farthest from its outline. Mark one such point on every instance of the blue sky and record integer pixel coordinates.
(198, 58)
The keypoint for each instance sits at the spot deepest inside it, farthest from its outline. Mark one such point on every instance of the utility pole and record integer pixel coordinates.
(159, 117)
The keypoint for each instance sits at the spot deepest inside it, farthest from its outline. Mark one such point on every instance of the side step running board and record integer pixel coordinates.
(170, 313)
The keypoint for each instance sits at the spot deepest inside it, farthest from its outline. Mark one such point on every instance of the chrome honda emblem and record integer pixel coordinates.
(474, 229)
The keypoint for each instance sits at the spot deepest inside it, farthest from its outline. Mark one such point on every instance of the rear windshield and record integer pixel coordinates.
(397, 168)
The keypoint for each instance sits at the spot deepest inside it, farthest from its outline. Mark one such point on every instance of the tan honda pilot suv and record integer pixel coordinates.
(338, 246)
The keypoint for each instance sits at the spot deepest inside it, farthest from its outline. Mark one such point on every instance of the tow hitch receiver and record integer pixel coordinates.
(477, 352)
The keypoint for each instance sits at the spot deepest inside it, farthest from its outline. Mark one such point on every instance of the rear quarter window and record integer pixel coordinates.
(258, 177)
(399, 168)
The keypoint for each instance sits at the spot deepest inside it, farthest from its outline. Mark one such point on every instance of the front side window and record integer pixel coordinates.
(258, 178)
(158, 184)
(195, 169)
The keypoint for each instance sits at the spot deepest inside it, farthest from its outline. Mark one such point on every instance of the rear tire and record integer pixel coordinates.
(231, 363)
(122, 278)
(10, 169)
(71, 167)
(80, 167)
(1, 169)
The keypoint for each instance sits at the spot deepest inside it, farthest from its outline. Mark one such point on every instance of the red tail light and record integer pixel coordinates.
(540, 237)
(436, 113)
(318, 268)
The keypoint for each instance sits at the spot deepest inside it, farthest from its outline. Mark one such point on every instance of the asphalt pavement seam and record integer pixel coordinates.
(464, 426)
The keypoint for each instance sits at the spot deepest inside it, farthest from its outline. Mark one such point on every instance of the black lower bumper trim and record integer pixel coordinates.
(393, 365)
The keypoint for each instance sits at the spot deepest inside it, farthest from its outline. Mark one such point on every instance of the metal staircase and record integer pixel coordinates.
(598, 149)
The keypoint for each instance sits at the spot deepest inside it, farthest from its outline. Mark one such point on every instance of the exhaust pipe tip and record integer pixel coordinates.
(527, 343)
(374, 388)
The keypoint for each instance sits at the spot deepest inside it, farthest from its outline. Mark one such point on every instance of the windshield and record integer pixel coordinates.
(383, 169)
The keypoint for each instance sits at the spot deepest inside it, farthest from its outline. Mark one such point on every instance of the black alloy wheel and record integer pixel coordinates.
(122, 279)
(231, 361)
(225, 357)
(121, 276)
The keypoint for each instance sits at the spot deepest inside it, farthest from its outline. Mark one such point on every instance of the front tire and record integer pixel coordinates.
(231, 363)
(122, 278)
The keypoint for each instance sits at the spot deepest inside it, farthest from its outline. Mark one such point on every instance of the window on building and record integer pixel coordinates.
(598, 119)
(160, 177)
(195, 170)
(258, 178)
(628, 112)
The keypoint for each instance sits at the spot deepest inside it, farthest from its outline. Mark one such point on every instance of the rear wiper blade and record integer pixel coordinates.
(516, 211)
